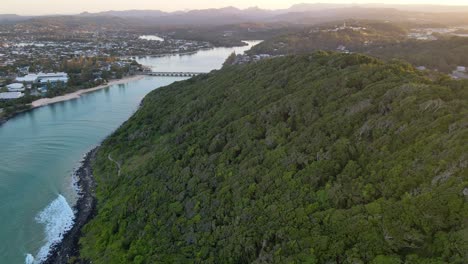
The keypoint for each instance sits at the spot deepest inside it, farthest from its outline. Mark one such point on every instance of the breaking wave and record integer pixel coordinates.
(58, 218)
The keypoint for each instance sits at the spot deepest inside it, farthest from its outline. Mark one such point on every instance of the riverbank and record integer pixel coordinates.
(77, 94)
(70, 96)
(244, 43)
(68, 249)
(4, 119)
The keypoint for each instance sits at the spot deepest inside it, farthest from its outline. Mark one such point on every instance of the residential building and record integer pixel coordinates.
(11, 95)
(52, 77)
(15, 87)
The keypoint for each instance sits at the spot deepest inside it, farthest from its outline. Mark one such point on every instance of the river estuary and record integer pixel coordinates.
(40, 149)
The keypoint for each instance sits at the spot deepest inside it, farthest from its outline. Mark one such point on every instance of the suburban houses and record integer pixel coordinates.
(43, 78)
(10, 95)
(34, 83)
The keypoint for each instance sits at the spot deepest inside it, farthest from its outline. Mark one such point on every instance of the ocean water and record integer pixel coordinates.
(40, 149)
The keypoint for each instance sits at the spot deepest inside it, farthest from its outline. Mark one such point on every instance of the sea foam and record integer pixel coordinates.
(58, 218)
(29, 259)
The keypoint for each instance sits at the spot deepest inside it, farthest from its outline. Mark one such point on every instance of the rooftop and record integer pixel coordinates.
(10, 95)
(15, 86)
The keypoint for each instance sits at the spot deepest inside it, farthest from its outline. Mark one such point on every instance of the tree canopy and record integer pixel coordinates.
(317, 158)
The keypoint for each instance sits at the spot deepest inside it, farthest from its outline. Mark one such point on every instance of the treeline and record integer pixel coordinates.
(83, 73)
(319, 158)
(9, 108)
(83, 70)
(384, 40)
(355, 36)
(229, 35)
(89, 72)
(444, 54)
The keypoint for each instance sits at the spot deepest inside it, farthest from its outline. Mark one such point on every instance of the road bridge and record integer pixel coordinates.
(173, 74)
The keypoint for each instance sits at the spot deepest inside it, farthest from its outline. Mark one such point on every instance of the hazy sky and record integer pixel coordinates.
(31, 7)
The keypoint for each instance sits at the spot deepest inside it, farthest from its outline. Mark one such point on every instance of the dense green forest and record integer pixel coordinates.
(443, 54)
(383, 40)
(318, 158)
(229, 35)
(355, 36)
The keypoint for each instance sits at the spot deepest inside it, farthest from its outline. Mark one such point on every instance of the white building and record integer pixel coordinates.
(461, 68)
(30, 78)
(52, 77)
(15, 87)
(53, 80)
(10, 95)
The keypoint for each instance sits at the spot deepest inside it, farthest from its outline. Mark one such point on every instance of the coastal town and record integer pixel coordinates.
(14, 47)
(41, 82)
(298, 131)
(49, 60)
(29, 80)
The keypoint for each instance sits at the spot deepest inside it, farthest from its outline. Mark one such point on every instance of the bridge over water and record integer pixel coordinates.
(173, 74)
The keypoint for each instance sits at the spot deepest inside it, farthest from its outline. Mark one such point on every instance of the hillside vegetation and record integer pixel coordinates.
(322, 158)
(444, 54)
(383, 40)
(357, 36)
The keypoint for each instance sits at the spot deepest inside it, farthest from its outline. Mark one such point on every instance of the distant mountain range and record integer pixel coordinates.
(300, 13)
(12, 18)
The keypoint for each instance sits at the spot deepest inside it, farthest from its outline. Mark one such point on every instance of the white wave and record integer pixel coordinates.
(76, 178)
(29, 259)
(58, 218)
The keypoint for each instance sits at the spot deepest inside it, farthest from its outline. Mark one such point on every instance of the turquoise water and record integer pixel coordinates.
(40, 149)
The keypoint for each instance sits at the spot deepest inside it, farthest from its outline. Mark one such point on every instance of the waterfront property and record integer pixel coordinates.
(57, 135)
(52, 77)
(15, 87)
(10, 95)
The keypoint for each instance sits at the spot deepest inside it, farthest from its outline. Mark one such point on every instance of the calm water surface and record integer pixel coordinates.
(202, 61)
(40, 149)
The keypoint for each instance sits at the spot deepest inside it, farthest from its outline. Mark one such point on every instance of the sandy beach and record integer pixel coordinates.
(77, 94)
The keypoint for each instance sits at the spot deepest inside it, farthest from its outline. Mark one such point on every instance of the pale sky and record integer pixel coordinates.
(40, 7)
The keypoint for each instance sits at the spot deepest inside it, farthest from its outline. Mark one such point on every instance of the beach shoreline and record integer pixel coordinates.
(47, 101)
(70, 96)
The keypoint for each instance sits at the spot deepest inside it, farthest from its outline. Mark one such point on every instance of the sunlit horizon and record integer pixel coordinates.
(51, 7)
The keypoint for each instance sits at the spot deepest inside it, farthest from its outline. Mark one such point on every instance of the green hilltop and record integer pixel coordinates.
(317, 158)
(383, 40)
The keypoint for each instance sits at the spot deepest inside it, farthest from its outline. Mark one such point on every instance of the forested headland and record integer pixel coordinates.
(315, 158)
(377, 38)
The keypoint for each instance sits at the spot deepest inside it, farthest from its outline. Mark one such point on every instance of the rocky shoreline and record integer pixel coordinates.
(85, 209)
